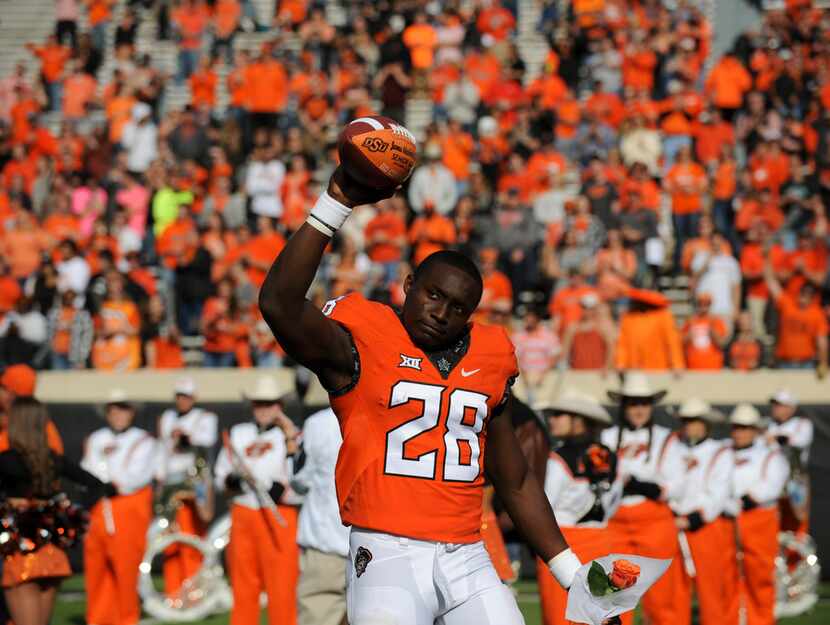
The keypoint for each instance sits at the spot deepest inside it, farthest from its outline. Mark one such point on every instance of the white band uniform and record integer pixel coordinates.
(564, 566)
(328, 215)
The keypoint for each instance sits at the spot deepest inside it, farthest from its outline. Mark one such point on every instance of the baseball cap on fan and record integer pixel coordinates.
(19, 379)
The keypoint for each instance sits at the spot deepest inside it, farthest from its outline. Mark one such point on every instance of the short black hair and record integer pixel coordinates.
(453, 259)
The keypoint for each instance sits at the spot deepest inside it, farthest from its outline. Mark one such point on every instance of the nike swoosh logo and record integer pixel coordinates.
(467, 374)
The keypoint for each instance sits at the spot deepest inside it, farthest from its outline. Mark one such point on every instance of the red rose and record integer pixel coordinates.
(624, 574)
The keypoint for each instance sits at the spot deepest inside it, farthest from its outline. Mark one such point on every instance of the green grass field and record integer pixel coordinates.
(70, 607)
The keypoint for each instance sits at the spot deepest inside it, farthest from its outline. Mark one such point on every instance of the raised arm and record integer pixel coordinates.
(773, 284)
(524, 498)
(303, 331)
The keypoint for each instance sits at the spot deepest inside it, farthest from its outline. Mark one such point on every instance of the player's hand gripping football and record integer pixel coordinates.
(348, 191)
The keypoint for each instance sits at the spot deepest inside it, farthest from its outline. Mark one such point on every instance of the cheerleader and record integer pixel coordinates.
(37, 525)
(582, 487)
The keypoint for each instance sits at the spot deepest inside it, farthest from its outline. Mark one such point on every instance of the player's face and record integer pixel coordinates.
(438, 305)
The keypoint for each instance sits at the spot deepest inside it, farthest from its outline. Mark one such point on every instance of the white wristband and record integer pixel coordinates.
(564, 566)
(328, 215)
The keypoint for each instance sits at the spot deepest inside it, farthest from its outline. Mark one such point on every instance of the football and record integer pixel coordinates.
(377, 151)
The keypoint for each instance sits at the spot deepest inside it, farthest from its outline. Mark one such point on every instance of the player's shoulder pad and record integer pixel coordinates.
(354, 311)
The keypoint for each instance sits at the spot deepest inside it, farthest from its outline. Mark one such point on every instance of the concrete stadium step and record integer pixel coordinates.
(22, 22)
(418, 115)
(532, 46)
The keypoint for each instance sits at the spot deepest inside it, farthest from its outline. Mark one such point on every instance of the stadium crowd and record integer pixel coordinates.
(625, 165)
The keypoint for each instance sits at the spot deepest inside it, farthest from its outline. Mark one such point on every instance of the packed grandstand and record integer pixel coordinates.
(629, 185)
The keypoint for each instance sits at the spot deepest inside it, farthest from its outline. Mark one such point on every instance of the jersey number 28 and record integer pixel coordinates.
(464, 420)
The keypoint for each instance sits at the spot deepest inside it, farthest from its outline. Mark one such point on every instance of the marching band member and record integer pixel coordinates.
(582, 486)
(124, 456)
(761, 472)
(321, 535)
(253, 468)
(187, 435)
(650, 461)
(795, 436)
(705, 538)
(34, 557)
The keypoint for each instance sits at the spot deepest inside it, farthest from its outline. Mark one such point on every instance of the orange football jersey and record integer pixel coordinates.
(412, 458)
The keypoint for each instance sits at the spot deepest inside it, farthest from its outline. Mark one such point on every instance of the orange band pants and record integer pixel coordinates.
(648, 529)
(711, 547)
(755, 593)
(587, 543)
(263, 557)
(182, 562)
(111, 559)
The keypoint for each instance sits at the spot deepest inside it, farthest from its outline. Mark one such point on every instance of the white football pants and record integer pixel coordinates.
(404, 581)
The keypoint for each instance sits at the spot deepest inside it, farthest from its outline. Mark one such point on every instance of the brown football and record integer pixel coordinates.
(377, 151)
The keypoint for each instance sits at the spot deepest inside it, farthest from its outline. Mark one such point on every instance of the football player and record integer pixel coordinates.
(422, 397)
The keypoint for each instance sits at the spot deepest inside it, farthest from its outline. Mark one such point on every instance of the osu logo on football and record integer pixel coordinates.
(375, 144)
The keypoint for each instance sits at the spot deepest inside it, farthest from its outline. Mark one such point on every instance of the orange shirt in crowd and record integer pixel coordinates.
(293, 10)
(166, 354)
(430, 233)
(638, 70)
(686, 182)
(62, 340)
(814, 260)
(606, 107)
(769, 171)
(177, 244)
(22, 250)
(226, 14)
(745, 354)
(10, 292)
(483, 69)
(99, 11)
(752, 211)
(496, 21)
(610, 283)
(260, 252)
(753, 258)
(647, 189)
(203, 88)
(236, 87)
(564, 306)
(119, 110)
(268, 86)
(458, 149)
(699, 334)
(393, 227)
(53, 58)
(550, 89)
(798, 329)
(649, 340)
(709, 140)
(78, 91)
(21, 113)
(728, 82)
(496, 294)
(218, 326)
(421, 39)
(192, 21)
(726, 181)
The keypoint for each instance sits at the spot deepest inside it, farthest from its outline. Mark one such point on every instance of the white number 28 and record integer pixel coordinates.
(424, 466)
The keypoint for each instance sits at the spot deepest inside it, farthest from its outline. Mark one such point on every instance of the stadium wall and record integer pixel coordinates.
(75, 405)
